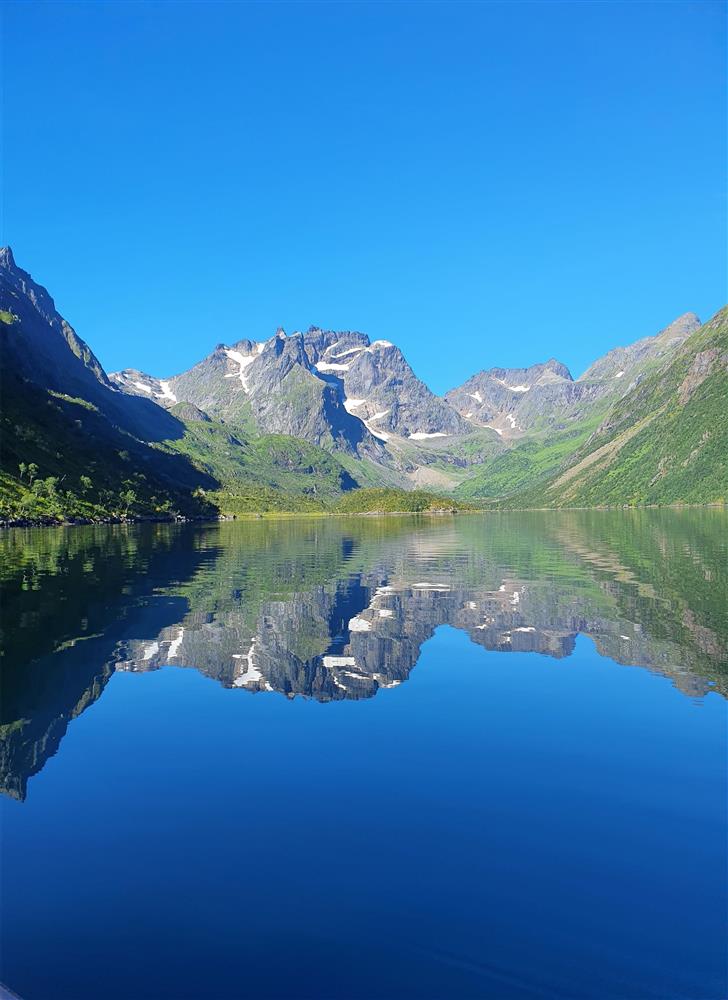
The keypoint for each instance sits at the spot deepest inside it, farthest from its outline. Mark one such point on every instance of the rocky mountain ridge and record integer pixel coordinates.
(516, 401)
(325, 386)
(299, 385)
(354, 399)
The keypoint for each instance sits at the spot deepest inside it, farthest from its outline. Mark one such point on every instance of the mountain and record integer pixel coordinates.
(545, 397)
(499, 432)
(294, 421)
(626, 362)
(379, 386)
(511, 400)
(335, 389)
(271, 386)
(73, 445)
(70, 443)
(564, 434)
(664, 441)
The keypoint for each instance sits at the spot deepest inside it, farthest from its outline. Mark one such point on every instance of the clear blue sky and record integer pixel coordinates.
(483, 184)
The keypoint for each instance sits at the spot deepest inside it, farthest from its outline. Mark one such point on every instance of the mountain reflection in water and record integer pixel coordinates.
(339, 608)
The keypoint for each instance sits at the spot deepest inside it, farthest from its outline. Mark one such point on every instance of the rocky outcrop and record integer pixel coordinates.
(623, 363)
(515, 400)
(380, 388)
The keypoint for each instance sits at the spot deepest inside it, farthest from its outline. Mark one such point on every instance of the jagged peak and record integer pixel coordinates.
(6, 257)
(683, 326)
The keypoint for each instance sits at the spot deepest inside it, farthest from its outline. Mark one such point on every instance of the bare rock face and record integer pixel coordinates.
(513, 400)
(700, 369)
(334, 389)
(623, 364)
(543, 397)
(289, 396)
(380, 388)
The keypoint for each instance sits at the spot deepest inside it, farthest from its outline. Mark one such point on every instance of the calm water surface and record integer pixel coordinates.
(368, 757)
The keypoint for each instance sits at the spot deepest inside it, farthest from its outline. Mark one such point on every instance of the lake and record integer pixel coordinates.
(440, 757)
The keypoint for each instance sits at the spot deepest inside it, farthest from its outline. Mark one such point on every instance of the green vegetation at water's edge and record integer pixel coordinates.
(61, 459)
(252, 498)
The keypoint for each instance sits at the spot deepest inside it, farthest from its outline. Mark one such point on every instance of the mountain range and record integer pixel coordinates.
(296, 420)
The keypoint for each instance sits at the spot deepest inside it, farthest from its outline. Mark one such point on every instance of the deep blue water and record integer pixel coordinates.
(484, 820)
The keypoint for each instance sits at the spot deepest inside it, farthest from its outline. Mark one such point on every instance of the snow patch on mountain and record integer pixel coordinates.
(377, 434)
(344, 354)
(325, 366)
(242, 361)
(167, 392)
(357, 624)
(331, 662)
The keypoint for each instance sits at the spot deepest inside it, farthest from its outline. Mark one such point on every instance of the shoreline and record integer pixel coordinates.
(291, 515)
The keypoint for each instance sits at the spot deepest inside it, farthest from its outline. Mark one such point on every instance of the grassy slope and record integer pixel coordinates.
(451, 458)
(528, 461)
(67, 438)
(268, 465)
(666, 441)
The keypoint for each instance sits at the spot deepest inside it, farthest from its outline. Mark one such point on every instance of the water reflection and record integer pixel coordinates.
(337, 609)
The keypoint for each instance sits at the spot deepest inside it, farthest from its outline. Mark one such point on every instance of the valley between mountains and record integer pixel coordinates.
(332, 421)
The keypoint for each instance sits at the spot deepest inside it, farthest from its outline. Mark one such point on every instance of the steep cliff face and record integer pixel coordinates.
(36, 339)
(380, 388)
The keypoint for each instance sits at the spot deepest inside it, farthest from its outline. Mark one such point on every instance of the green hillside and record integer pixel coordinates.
(666, 441)
(61, 458)
(528, 462)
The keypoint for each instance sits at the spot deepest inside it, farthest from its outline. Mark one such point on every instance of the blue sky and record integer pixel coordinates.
(483, 184)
